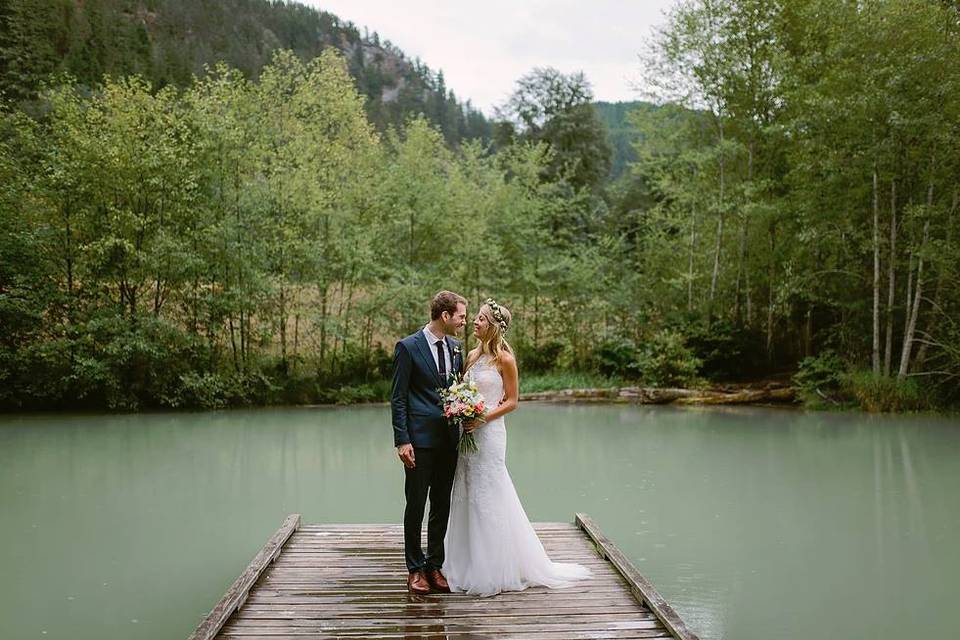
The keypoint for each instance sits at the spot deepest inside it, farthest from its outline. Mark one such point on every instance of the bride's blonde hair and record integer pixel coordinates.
(492, 340)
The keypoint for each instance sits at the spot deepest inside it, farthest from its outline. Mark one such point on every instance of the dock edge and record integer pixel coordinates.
(237, 593)
(642, 588)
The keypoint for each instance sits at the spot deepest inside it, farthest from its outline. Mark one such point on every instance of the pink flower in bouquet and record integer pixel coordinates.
(460, 402)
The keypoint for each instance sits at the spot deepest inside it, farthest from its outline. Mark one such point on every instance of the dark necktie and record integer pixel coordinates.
(441, 364)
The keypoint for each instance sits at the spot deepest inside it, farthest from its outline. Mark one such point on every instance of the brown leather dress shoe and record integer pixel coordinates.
(437, 581)
(417, 583)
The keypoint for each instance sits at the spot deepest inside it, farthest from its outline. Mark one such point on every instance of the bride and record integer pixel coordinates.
(490, 544)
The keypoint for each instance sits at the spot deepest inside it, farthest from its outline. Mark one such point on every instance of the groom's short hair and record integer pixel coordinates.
(445, 301)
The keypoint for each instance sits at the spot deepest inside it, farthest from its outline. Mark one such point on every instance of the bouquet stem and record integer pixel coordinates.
(468, 442)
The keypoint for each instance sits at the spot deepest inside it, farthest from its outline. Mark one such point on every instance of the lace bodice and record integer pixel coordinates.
(489, 381)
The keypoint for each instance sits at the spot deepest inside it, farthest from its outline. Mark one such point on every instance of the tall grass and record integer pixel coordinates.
(559, 380)
(880, 394)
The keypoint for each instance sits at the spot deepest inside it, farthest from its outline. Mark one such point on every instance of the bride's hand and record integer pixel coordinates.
(472, 425)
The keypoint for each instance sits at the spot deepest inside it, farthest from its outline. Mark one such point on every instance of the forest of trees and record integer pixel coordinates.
(804, 188)
(168, 42)
(255, 234)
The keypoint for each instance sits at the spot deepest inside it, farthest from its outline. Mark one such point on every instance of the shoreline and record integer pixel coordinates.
(731, 395)
(768, 394)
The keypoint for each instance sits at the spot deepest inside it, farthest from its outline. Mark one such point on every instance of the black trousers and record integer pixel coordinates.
(433, 476)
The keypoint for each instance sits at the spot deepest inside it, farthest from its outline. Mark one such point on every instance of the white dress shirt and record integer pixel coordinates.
(432, 342)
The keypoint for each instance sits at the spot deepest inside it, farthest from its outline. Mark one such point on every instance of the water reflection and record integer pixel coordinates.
(425, 621)
(747, 520)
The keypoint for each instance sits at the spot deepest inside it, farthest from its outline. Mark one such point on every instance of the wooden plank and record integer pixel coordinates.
(449, 634)
(529, 600)
(643, 587)
(465, 609)
(349, 581)
(398, 590)
(238, 591)
(425, 623)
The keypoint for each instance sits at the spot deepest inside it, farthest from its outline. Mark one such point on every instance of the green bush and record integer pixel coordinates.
(254, 388)
(665, 361)
(661, 360)
(617, 356)
(880, 394)
(820, 377)
(544, 358)
(725, 351)
(355, 366)
(198, 390)
(131, 363)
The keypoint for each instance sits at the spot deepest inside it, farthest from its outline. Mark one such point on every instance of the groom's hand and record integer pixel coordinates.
(405, 451)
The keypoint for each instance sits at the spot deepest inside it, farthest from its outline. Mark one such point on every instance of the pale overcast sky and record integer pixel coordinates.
(484, 47)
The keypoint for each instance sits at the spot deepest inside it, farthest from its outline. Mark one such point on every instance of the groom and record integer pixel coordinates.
(426, 444)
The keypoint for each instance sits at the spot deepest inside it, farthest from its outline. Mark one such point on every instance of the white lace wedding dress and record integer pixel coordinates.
(490, 544)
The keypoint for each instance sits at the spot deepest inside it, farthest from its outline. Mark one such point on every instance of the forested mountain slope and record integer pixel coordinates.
(169, 41)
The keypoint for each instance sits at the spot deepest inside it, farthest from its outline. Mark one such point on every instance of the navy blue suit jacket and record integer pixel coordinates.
(414, 400)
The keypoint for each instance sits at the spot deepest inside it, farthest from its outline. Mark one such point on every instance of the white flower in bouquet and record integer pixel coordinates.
(462, 401)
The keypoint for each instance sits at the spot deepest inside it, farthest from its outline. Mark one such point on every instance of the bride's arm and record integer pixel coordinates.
(511, 388)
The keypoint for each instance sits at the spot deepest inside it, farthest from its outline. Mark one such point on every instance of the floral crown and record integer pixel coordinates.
(497, 314)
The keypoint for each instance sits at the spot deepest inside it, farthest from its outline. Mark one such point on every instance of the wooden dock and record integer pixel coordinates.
(349, 581)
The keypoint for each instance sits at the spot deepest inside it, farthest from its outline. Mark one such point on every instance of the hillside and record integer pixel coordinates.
(169, 41)
(621, 133)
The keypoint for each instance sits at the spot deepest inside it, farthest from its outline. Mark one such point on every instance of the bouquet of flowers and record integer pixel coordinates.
(463, 401)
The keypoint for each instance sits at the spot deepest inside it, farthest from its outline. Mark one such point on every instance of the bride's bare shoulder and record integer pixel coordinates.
(508, 359)
(472, 356)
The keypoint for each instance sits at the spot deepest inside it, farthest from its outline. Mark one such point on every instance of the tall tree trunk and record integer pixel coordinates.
(908, 302)
(876, 277)
(888, 347)
(282, 276)
(244, 319)
(915, 312)
(283, 326)
(693, 244)
(742, 271)
(158, 288)
(536, 320)
(948, 245)
(347, 324)
(324, 299)
(296, 338)
(69, 268)
(771, 272)
(233, 343)
(716, 252)
(195, 303)
(368, 332)
(244, 342)
(741, 258)
(341, 296)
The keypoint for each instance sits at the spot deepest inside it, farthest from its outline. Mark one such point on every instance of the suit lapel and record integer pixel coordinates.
(426, 356)
(455, 364)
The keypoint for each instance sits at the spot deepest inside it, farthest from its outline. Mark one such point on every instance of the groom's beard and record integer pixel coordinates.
(451, 330)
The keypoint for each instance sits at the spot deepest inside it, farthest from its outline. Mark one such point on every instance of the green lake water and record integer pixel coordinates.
(756, 524)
